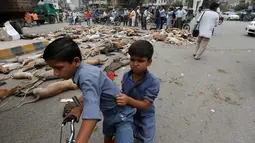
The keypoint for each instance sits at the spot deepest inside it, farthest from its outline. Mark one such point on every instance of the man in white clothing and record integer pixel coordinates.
(207, 21)
(180, 16)
(133, 15)
(144, 18)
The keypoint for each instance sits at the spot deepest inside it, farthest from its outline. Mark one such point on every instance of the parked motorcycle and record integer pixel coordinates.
(111, 20)
(77, 20)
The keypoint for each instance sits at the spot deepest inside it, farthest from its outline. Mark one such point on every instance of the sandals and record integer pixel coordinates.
(194, 55)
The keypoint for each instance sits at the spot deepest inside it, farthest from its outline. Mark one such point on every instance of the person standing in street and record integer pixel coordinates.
(130, 17)
(170, 16)
(162, 16)
(28, 19)
(144, 18)
(64, 16)
(157, 18)
(180, 16)
(125, 19)
(133, 14)
(138, 16)
(207, 21)
(35, 18)
(75, 15)
(70, 17)
(60, 16)
(96, 16)
(57, 16)
(88, 15)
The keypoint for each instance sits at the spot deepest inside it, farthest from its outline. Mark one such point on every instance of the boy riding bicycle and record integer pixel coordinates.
(98, 93)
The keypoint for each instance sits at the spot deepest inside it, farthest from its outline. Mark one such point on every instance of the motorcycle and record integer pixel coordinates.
(111, 20)
(77, 20)
(103, 20)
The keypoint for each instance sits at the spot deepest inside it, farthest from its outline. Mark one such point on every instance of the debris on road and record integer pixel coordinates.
(2, 83)
(221, 71)
(117, 36)
(66, 100)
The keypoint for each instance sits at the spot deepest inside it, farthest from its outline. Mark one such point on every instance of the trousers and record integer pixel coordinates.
(202, 43)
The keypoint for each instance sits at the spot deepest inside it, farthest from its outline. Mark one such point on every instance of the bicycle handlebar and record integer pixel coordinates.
(71, 119)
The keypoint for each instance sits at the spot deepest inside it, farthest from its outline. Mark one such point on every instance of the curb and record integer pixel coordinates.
(23, 49)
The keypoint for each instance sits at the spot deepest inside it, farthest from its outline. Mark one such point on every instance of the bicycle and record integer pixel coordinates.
(72, 119)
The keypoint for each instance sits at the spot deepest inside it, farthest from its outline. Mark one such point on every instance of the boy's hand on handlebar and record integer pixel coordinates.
(76, 111)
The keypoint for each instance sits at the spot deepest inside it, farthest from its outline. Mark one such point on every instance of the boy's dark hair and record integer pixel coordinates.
(141, 48)
(62, 49)
(213, 6)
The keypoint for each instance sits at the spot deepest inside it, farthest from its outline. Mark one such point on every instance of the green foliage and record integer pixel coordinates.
(241, 6)
(177, 3)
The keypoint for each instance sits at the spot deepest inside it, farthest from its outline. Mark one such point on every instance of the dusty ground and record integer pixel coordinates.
(206, 101)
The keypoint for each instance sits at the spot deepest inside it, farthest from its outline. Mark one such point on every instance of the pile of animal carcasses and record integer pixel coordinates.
(172, 36)
(103, 47)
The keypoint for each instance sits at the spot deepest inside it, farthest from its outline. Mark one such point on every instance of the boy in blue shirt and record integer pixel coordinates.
(98, 93)
(140, 88)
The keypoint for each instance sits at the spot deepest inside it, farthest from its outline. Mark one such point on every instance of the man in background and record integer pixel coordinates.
(180, 16)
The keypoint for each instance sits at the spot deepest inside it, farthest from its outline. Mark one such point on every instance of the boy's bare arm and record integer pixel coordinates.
(86, 130)
(124, 100)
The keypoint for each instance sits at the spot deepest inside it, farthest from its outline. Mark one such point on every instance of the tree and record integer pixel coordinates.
(177, 3)
(252, 2)
(62, 3)
(189, 3)
(242, 5)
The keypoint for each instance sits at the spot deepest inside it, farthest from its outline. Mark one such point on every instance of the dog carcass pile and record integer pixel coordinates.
(105, 47)
(172, 36)
(83, 34)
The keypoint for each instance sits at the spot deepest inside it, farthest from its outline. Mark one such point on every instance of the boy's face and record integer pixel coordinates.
(64, 70)
(139, 64)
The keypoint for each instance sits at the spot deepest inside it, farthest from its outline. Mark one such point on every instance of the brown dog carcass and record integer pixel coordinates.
(22, 75)
(52, 90)
(115, 65)
(29, 66)
(40, 62)
(4, 93)
(46, 75)
(93, 62)
(4, 70)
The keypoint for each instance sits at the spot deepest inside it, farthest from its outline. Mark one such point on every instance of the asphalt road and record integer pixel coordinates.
(206, 101)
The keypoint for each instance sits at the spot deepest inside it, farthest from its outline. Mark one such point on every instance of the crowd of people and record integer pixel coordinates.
(173, 17)
(30, 18)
